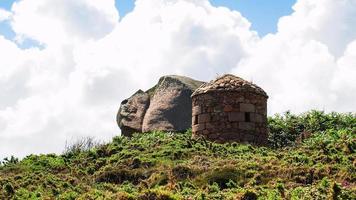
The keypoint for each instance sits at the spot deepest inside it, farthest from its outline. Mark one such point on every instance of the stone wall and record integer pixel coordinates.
(230, 116)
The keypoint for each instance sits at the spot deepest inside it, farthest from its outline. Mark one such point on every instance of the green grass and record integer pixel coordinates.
(310, 156)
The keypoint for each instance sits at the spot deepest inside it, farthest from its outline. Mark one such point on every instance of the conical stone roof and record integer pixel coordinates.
(229, 82)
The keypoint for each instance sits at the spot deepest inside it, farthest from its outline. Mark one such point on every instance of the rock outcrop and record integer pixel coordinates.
(132, 112)
(165, 107)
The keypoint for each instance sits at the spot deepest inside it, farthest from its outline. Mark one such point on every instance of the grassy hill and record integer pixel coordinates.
(310, 156)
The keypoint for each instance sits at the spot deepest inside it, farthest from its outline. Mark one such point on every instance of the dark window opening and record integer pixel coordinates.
(247, 117)
(195, 120)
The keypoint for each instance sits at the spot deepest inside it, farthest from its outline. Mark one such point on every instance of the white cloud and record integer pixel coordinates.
(4, 15)
(91, 62)
(343, 83)
(183, 37)
(57, 22)
(42, 102)
(303, 66)
(328, 21)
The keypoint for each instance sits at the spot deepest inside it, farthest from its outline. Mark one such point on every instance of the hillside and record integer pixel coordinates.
(310, 156)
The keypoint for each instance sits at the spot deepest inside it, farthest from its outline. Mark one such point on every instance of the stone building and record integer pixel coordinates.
(230, 109)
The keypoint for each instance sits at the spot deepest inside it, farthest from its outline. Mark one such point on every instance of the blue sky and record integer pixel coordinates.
(262, 14)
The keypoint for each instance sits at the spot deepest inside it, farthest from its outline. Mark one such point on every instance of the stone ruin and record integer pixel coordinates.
(230, 109)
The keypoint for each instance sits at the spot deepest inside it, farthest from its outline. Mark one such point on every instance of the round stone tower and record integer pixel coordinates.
(230, 109)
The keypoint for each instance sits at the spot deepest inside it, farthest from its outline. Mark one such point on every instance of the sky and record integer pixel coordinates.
(66, 65)
(263, 14)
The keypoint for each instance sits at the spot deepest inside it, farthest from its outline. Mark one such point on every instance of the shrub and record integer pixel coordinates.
(80, 145)
(285, 129)
(9, 161)
(119, 174)
(9, 189)
(159, 194)
(249, 195)
(182, 172)
(157, 179)
(222, 176)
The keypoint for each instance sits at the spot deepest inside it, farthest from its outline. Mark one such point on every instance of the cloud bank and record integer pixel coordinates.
(309, 62)
(90, 61)
(4, 15)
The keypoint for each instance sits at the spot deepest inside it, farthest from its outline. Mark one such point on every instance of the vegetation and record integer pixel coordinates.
(310, 156)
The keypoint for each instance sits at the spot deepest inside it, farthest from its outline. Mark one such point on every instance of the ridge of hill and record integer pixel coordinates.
(310, 156)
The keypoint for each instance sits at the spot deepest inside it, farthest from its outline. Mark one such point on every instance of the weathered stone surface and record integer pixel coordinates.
(229, 82)
(213, 136)
(236, 117)
(209, 126)
(218, 109)
(171, 106)
(203, 118)
(247, 107)
(132, 112)
(256, 118)
(198, 127)
(232, 110)
(249, 138)
(228, 108)
(167, 107)
(195, 119)
(231, 136)
(196, 110)
(249, 126)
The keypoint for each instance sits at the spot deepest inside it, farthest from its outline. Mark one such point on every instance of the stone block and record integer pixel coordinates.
(208, 97)
(231, 136)
(261, 139)
(204, 118)
(247, 107)
(215, 118)
(228, 108)
(194, 120)
(213, 136)
(221, 125)
(240, 99)
(196, 110)
(236, 117)
(249, 138)
(218, 109)
(235, 125)
(222, 114)
(256, 118)
(209, 126)
(198, 127)
(247, 126)
(220, 140)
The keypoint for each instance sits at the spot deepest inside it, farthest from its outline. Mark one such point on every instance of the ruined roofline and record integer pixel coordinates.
(229, 83)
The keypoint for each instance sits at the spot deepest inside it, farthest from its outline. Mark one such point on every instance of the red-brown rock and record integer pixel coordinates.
(132, 112)
(166, 107)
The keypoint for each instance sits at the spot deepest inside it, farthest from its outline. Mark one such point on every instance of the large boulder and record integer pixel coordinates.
(166, 107)
(132, 112)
